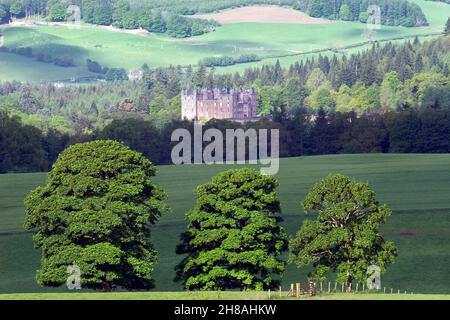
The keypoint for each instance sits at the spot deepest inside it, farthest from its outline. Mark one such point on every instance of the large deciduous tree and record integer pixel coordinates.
(96, 212)
(345, 237)
(234, 239)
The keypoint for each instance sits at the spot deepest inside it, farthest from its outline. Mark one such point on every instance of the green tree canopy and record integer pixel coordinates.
(3, 13)
(179, 27)
(344, 238)
(344, 12)
(322, 98)
(390, 91)
(96, 212)
(121, 8)
(234, 239)
(428, 90)
(57, 12)
(316, 79)
(158, 25)
(16, 8)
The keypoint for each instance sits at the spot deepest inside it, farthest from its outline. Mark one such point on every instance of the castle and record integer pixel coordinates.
(203, 105)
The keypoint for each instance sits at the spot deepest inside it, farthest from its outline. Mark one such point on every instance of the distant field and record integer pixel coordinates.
(271, 41)
(214, 296)
(416, 187)
(15, 67)
(437, 13)
(262, 14)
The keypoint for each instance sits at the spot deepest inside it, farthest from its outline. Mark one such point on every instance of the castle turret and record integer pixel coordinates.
(203, 105)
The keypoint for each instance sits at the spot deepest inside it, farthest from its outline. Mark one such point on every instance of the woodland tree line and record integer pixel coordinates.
(25, 148)
(118, 13)
(170, 16)
(386, 99)
(393, 13)
(383, 78)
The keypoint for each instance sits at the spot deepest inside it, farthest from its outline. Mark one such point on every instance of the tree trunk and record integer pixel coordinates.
(349, 283)
(106, 286)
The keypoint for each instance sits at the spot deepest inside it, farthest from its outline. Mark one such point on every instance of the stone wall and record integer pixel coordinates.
(203, 105)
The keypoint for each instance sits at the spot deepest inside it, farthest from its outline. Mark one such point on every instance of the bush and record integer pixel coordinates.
(65, 62)
(228, 61)
(44, 57)
(57, 12)
(94, 66)
(25, 51)
(114, 74)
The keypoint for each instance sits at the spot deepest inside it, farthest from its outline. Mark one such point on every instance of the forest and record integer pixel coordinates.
(390, 98)
(25, 148)
(384, 78)
(117, 13)
(393, 13)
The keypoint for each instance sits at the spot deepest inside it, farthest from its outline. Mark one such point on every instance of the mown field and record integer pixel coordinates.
(270, 41)
(215, 296)
(416, 187)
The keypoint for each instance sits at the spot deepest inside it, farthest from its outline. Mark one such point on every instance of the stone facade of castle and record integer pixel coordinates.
(203, 105)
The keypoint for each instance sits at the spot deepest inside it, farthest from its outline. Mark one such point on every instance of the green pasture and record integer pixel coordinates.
(215, 296)
(416, 187)
(15, 67)
(437, 13)
(120, 49)
(287, 42)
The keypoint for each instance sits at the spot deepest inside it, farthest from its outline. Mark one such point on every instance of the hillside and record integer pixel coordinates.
(414, 186)
(289, 42)
(262, 14)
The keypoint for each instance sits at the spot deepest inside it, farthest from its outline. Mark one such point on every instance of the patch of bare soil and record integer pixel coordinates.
(263, 14)
(407, 234)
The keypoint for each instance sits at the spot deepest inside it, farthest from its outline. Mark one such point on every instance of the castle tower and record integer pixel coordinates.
(203, 105)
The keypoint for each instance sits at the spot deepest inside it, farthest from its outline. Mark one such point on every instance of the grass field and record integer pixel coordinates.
(15, 67)
(268, 40)
(416, 187)
(214, 296)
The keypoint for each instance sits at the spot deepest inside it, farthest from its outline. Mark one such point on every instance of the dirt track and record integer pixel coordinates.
(266, 14)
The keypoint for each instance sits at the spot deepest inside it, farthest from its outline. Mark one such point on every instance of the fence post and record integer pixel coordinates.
(280, 291)
(384, 290)
(357, 285)
(392, 290)
(335, 286)
(329, 286)
(269, 293)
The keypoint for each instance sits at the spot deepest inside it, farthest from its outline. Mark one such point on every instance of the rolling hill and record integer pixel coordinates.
(288, 42)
